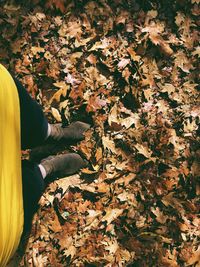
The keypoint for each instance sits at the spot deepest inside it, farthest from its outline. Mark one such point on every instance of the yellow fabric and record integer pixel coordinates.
(11, 199)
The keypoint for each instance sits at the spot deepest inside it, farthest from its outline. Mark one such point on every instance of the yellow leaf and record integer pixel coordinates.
(56, 114)
(87, 171)
(61, 92)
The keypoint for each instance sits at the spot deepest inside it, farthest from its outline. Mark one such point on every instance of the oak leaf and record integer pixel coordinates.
(111, 215)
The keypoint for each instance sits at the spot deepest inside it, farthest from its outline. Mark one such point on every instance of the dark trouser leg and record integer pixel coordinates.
(33, 187)
(34, 125)
(33, 132)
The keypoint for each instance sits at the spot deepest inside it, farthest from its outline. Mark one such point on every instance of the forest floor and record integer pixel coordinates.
(130, 69)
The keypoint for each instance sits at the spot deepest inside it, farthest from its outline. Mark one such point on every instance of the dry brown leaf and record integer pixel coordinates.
(111, 215)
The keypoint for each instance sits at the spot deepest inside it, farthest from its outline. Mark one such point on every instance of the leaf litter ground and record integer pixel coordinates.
(130, 69)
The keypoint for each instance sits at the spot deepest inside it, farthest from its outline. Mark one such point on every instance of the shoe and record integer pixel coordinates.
(74, 132)
(63, 165)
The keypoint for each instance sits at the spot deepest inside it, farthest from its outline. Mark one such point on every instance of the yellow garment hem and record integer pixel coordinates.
(11, 199)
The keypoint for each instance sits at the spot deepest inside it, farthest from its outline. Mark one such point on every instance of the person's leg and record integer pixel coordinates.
(33, 187)
(34, 131)
(36, 177)
(35, 128)
(34, 125)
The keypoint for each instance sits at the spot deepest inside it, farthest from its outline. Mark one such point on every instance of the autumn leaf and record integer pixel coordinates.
(56, 114)
(130, 69)
(61, 92)
(112, 215)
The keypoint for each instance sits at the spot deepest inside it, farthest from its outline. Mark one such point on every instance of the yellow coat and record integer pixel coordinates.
(11, 199)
